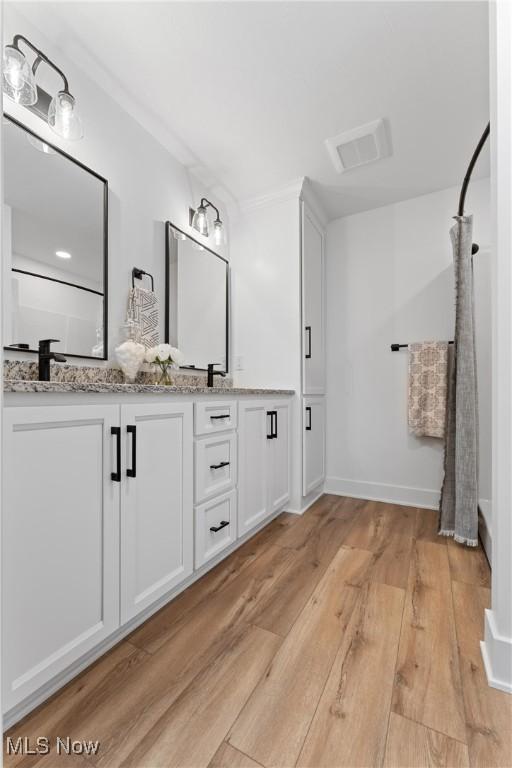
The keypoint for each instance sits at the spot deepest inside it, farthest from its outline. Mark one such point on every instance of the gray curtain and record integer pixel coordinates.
(459, 496)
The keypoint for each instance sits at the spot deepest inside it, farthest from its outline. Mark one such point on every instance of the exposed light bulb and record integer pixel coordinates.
(64, 118)
(200, 221)
(219, 234)
(63, 254)
(18, 82)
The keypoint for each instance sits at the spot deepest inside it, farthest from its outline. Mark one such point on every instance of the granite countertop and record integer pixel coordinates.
(22, 376)
(103, 387)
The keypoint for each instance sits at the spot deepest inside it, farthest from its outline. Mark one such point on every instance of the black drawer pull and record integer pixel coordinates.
(308, 331)
(116, 476)
(308, 413)
(132, 430)
(219, 466)
(223, 416)
(219, 527)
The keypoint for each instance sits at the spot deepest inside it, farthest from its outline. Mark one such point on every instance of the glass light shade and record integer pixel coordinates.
(41, 146)
(200, 221)
(18, 82)
(219, 233)
(64, 118)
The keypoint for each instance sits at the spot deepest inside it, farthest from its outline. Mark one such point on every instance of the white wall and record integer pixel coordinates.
(390, 279)
(147, 186)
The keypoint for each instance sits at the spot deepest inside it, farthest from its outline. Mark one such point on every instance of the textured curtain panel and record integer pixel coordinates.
(459, 495)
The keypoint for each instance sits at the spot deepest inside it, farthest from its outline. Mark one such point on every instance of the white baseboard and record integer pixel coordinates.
(497, 656)
(392, 494)
(307, 501)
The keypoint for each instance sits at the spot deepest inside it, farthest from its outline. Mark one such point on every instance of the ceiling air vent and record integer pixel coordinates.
(359, 146)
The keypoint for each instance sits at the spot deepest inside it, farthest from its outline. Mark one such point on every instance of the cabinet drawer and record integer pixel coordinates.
(219, 515)
(214, 417)
(215, 470)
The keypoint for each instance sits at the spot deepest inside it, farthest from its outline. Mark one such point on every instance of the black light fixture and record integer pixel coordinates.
(199, 222)
(19, 84)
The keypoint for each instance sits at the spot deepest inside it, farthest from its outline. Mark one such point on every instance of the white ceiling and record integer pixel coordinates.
(253, 89)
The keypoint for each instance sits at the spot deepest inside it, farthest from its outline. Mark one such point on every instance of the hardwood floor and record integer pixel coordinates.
(345, 637)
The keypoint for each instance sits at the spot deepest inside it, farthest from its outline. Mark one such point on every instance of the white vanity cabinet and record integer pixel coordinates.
(313, 357)
(60, 541)
(264, 473)
(313, 443)
(111, 509)
(156, 502)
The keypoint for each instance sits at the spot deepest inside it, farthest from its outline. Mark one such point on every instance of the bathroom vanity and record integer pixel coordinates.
(117, 498)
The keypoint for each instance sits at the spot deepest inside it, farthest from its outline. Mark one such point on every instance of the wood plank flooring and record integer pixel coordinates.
(345, 637)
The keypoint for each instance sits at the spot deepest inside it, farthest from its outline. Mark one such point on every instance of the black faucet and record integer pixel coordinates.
(212, 373)
(45, 356)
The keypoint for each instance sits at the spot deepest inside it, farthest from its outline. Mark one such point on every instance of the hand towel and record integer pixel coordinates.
(428, 386)
(143, 312)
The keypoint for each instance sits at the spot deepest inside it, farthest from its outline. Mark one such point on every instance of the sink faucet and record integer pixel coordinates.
(45, 356)
(212, 373)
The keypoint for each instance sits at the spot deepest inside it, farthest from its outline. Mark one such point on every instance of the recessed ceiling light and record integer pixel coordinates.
(63, 254)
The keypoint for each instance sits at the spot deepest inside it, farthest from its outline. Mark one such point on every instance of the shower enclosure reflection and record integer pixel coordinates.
(54, 248)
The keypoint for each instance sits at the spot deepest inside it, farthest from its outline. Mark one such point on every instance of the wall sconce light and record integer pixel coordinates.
(199, 222)
(19, 84)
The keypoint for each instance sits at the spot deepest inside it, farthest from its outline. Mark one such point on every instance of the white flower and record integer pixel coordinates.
(178, 357)
(151, 354)
(164, 352)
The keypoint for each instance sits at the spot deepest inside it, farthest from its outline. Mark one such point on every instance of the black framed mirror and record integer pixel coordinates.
(55, 248)
(196, 300)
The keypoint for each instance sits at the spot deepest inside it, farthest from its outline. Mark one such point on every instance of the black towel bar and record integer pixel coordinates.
(396, 347)
(139, 274)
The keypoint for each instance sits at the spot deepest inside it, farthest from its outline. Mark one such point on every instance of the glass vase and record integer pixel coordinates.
(165, 377)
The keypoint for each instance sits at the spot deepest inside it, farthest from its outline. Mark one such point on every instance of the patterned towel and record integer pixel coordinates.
(428, 386)
(143, 312)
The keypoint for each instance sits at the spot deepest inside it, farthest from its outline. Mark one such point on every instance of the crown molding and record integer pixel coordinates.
(288, 192)
(309, 197)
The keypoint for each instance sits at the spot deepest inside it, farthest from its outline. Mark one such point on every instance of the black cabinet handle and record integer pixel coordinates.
(219, 466)
(272, 434)
(308, 331)
(308, 413)
(219, 527)
(132, 429)
(223, 416)
(116, 476)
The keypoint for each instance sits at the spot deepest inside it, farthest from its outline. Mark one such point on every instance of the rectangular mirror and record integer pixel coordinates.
(54, 248)
(196, 301)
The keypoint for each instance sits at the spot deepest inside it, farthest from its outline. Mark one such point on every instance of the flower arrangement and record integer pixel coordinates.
(165, 357)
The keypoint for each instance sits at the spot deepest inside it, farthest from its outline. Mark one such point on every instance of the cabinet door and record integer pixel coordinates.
(60, 541)
(279, 457)
(313, 307)
(254, 436)
(313, 452)
(156, 508)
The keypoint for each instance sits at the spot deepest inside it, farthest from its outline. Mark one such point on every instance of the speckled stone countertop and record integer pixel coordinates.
(21, 376)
